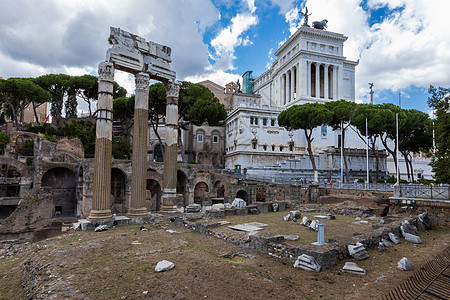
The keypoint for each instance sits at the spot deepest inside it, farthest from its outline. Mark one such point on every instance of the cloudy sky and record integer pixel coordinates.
(403, 45)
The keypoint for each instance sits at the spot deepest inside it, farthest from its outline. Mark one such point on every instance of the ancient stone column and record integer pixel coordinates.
(139, 159)
(308, 80)
(169, 200)
(292, 97)
(101, 206)
(335, 82)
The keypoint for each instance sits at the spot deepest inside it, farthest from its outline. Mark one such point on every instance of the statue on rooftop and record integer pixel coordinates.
(320, 24)
(305, 17)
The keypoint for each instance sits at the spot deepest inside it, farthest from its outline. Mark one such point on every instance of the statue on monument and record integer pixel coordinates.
(305, 16)
(320, 24)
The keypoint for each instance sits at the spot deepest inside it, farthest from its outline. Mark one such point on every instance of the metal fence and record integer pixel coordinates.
(433, 192)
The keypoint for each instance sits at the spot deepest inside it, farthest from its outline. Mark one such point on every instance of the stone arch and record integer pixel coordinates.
(153, 197)
(63, 183)
(242, 194)
(200, 191)
(21, 167)
(158, 151)
(219, 188)
(118, 191)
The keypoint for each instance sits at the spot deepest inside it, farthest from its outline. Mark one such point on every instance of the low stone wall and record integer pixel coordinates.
(438, 211)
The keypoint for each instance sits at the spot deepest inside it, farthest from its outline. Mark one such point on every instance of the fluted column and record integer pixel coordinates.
(170, 150)
(335, 82)
(283, 86)
(101, 206)
(308, 80)
(317, 80)
(326, 94)
(139, 158)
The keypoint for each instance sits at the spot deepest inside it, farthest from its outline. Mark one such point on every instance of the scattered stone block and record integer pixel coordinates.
(257, 224)
(215, 214)
(290, 237)
(381, 246)
(101, 228)
(331, 217)
(358, 251)
(313, 226)
(136, 243)
(253, 211)
(351, 267)
(386, 243)
(241, 211)
(413, 238)
(306, 221)
(218, 206)
(193, 208)
(407, 227)
(364, 222)
(358, 219)
(404, 264)
(227, 205)
(262, 207)
(307, 262)
(230, 212)
(164, 265)
(394, 238)
(238, 202)
(245, 227)
(425, 219)
(287, 218)
(171, 231)
(295, 214)
(76, 226)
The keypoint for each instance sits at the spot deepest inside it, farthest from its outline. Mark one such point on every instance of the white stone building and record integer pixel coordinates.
(310, 68)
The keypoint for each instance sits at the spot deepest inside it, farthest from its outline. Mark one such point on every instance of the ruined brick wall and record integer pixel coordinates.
(73, 146)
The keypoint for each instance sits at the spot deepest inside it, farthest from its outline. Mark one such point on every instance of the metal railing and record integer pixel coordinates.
(432, 192)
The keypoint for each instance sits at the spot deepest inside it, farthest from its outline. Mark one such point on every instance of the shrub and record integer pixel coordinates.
(29, 161)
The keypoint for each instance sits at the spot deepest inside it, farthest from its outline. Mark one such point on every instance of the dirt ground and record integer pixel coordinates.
(108, 265)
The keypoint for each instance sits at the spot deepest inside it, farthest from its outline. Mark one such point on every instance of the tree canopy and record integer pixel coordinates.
(439, 100)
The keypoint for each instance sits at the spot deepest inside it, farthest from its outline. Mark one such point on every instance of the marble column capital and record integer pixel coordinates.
(142, 81)
(172, 89)
(106, 71)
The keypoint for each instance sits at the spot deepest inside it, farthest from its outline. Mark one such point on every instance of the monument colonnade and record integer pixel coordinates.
(321, 81)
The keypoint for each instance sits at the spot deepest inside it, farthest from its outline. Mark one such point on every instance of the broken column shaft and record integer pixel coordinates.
(139, 159)
(103, 145)
(169, 200)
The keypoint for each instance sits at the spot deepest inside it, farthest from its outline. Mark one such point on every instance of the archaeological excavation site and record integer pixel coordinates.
(192, 212)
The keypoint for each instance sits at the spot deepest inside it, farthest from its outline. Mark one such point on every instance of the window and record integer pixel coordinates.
(339, 141)
(264, 121)
(254, 145)
(256, 121)
(200, 137)
(272, 122)
(273, 147)
(265, 147)
(215, 139)
(251, 120)
(281, 148)
(291, 147)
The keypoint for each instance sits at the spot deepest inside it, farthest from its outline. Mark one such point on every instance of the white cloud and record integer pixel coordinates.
(409, 46)
(220, 77)
(229, 38)
(292, 17)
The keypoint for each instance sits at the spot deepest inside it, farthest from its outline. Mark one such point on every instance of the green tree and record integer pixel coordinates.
(343, 111)
(306, 117)
(4, 140)
(17, 93)
(121, 148)
(57, 85)
(86, 88)
(415, 135)
(439, 100)
(375, 124)
(83, 130)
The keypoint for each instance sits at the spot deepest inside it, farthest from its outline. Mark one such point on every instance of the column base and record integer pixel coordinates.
(99, 215)
(137, 212)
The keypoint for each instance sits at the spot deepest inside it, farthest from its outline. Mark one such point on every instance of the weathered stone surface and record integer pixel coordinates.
(218, 206)
(425, 219)
(413, 238)
(287, 218)
(164, 265)
(307, 262)
(245, 227)
(101, 228)
(253, 211)
(331, 217)
(404, 264)
(351, 267)
(407, 227)
(394, 238)
(358, 251)
(381, 246)
(275, 207)
(215, 214)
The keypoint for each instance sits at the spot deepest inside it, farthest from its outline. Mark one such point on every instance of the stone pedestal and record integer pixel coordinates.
(139, 159)
(103, 145)
(169, 198)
